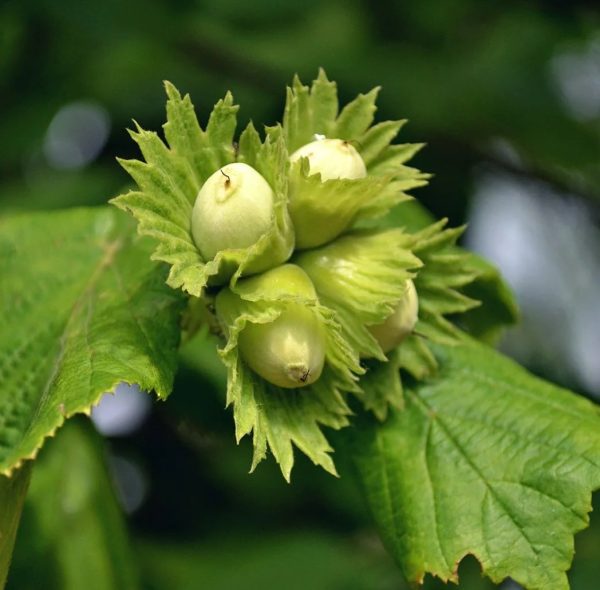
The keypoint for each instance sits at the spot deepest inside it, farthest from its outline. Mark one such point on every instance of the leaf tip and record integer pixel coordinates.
(171, 91)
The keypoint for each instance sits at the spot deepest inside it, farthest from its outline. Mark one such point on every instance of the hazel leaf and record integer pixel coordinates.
(484, 460)
(499, 306)
(83, 309)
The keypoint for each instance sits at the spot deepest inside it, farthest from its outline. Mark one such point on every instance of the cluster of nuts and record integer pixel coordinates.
(233, 210)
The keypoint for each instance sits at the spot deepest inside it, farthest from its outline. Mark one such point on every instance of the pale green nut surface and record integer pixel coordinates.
(289, 352)
(284, 280)
(400, 323)
(332, 158)
(233, 209)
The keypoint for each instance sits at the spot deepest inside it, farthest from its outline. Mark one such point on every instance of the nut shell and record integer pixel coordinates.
(233, 209)
(288, 352)
(400, 323)
(332, 158)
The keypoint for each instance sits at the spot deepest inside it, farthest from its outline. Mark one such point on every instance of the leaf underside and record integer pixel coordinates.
(82, 309)
(484, 460)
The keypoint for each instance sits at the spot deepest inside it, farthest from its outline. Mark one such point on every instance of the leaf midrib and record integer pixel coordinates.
(430, 414)
(111, 249)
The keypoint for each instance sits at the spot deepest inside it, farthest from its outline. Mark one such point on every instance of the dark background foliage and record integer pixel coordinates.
(507, 98)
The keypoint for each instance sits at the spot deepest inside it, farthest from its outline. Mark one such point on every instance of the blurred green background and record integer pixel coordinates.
(506, 96)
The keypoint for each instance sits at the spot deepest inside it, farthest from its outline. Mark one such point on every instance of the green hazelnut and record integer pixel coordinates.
(332, 158)
(233, 209)
(279, 282)
(290, 350)
(400, 323)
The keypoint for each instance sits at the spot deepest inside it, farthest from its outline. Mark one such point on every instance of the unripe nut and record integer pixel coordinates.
(332, 158)
(233, 209)
(288, 352)
(400, 323)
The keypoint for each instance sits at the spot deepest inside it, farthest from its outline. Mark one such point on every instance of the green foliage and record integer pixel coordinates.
(445, 273)
(382, 386)
(73, 522)
(362, 276)
(169, 181)
(82, 309)
(171, 177)
(279, 417)
(498, 307)
(484, 460)
(314, 111)
(460, 451)
(298, 560)
(12, 496)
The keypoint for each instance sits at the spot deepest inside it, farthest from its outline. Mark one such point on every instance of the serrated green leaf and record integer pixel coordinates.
(280, 418)
(416, 357)
(169, 181)
(73, 528)
(445, 273)
(186, 138)
(393, 157)
(82, 309)
(324, 103)
(362, 276)
(203, 151)
(12, 496)
(484, 460)
(220, 129)
(374, 141)
(445, 270)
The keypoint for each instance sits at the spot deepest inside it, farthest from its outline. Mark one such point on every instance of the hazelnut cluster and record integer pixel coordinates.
(233, 210)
